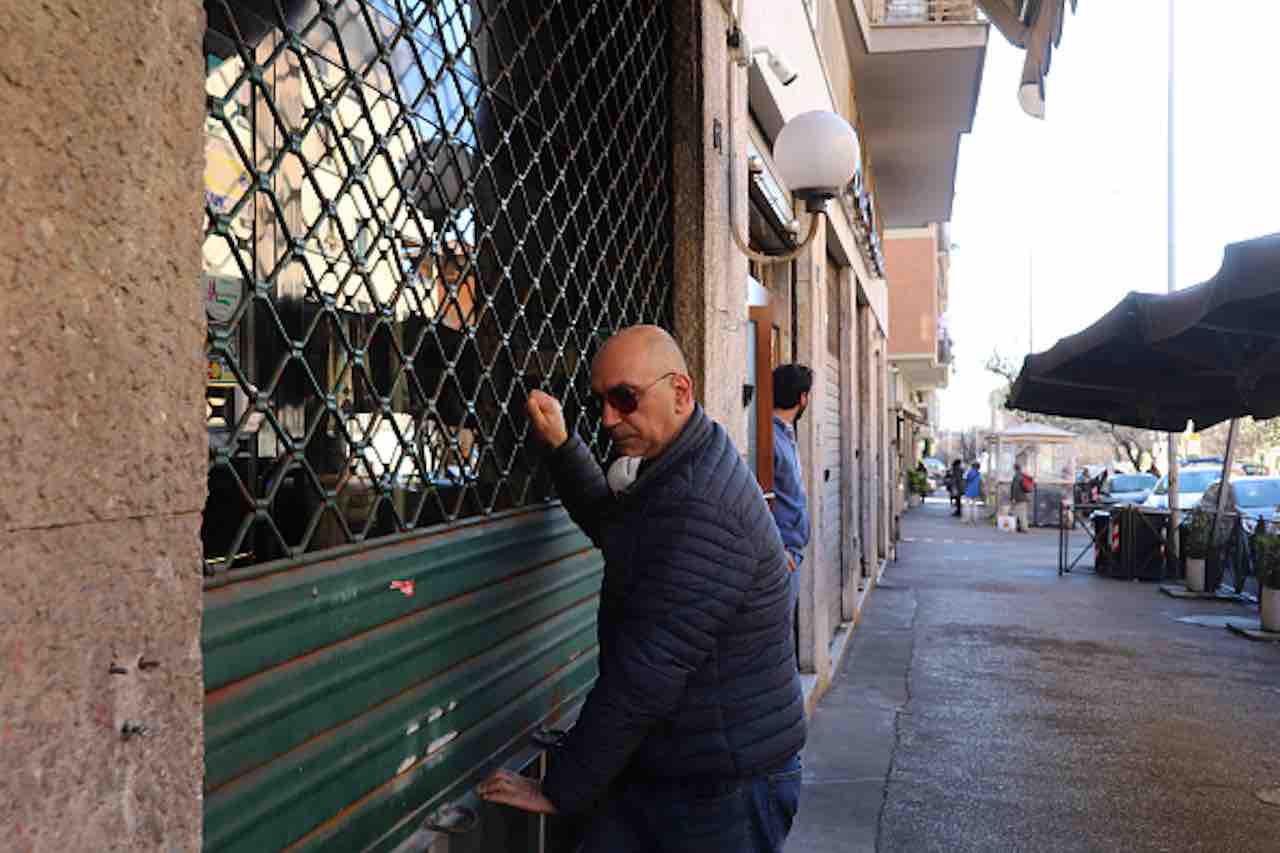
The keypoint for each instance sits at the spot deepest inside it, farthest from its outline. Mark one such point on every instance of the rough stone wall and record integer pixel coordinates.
(811, 336)
(710, 287)
(102, 438)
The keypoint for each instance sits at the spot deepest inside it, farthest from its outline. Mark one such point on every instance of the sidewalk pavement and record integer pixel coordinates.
(987, 704)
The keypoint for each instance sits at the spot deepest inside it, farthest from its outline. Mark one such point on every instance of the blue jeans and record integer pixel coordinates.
(793, 591)
(751, 815)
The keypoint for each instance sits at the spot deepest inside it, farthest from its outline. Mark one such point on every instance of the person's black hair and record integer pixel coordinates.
(789, 382)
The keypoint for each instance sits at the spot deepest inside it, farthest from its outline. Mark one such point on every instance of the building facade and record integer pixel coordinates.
(282, 568)
(918, 260)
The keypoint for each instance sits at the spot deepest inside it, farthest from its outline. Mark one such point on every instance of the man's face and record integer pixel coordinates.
(804, 404)
(662, 403)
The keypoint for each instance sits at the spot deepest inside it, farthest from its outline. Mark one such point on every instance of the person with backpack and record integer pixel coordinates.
(1021, 490)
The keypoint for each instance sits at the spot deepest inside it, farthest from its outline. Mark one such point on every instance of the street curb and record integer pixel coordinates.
(814, 687)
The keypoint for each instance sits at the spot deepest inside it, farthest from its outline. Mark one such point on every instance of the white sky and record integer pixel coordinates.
(1082, 193)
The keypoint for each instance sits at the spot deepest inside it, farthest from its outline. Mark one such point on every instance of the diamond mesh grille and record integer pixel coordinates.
(416, 211)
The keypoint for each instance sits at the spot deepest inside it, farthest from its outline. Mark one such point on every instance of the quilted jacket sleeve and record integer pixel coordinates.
(690, 575)
(580, 484)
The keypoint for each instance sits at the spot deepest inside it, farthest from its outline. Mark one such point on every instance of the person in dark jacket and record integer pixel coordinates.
(955, 485)
(1020, 497)
(690, 737)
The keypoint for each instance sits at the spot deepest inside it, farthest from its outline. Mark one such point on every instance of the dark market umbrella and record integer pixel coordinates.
(1206, 354)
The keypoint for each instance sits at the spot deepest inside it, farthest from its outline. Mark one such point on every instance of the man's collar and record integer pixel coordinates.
(692, 431)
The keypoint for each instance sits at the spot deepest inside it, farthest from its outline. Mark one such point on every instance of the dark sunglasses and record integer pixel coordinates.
(623, 398)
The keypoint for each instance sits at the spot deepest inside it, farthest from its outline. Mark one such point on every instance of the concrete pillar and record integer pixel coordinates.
(879, 511)
(811, 350)
(868, 440)
(710, 274)
(885, 437)
(102, 435)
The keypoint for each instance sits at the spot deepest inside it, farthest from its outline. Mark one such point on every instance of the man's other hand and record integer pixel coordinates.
(512, 789)
(547, 418)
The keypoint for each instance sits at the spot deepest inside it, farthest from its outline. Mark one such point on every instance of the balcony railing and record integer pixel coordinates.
(924, 11)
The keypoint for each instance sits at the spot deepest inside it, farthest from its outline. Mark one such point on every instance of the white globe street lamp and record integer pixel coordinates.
(817, 154)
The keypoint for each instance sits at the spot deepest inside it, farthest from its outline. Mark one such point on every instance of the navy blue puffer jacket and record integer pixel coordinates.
(697, 676)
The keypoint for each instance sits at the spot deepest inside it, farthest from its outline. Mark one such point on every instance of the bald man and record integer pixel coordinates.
(690, 738)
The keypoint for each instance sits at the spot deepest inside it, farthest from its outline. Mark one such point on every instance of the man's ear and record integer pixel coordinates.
(683, 386)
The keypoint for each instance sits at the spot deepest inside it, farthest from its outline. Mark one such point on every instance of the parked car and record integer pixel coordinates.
(1202, 460)
(1192, 483)
(937, 470)
(1127, 489)
(1255, 469)
(1255, 498)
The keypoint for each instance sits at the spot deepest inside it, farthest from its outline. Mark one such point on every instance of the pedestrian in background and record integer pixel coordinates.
(973, 490)
(690, 737)
(1020, 489)
(955, 485)
(792, 384)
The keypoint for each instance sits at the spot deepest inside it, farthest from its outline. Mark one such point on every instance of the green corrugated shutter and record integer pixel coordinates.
(336, 704)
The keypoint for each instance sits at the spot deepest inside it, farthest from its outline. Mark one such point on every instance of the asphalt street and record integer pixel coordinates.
(986, 703)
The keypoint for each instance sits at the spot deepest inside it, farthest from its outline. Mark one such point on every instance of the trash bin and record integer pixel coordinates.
(1142, 554)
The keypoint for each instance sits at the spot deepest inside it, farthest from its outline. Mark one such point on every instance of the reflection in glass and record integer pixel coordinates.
(414, 213)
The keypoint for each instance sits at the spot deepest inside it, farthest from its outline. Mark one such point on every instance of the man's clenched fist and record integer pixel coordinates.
(547, 418)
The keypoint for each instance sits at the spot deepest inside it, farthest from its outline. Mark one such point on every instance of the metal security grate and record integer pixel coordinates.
(416, 211)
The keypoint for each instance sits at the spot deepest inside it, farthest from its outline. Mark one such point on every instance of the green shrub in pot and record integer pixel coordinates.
(1267, 557)
(1197, 533)
(919, 482)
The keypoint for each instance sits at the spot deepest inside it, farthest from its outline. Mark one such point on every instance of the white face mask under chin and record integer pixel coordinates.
(622, 473)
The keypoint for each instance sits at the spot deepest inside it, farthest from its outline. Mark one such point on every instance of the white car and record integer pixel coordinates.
(1193, 481)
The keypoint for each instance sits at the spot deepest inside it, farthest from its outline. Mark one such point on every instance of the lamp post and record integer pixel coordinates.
(816, 154)
(1174, 516)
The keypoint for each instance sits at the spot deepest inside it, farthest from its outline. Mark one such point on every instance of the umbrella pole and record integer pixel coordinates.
(1226, 465)
(1226, 473)
(1175, 517)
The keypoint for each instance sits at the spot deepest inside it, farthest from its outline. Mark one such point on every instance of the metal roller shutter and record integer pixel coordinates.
(415, 212)
(832, 457)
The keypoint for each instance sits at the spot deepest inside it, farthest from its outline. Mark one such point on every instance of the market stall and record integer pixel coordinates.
(1045, 452)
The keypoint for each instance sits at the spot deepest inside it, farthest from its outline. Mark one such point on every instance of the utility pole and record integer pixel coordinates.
(1031, 300)
(1174, 515)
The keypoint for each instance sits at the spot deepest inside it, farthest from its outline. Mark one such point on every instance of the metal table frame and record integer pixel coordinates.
(1132, 519)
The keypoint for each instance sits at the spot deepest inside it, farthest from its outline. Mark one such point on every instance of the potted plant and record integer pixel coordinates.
(918, 482)
(1267, 561)
(1196, 535)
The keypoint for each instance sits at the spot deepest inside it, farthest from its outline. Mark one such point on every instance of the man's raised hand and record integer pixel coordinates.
(547, 418)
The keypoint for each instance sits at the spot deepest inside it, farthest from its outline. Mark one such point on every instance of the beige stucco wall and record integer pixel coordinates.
(102, 439)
